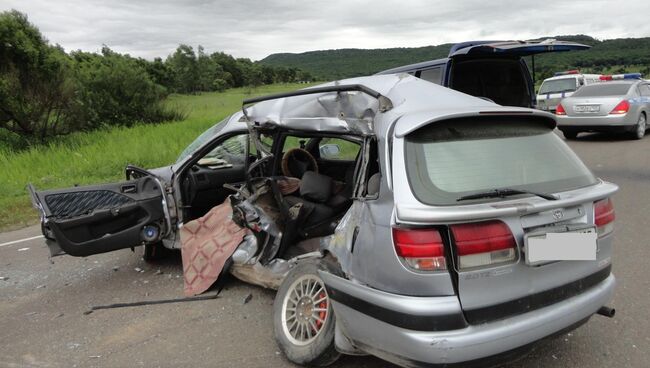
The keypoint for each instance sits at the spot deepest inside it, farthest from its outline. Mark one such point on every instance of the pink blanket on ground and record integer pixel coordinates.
(207, 242)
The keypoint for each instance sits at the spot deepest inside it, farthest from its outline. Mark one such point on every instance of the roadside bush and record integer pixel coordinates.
(45, 92)
(35, 89)
(114, 89)
(10, 141)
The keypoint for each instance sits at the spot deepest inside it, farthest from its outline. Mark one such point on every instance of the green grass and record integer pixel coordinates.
(100, 156)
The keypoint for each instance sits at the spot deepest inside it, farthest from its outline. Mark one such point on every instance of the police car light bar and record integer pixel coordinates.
(574, 71)
(620, 76)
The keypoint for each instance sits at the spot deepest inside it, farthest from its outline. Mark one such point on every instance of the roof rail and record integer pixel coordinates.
(385, 103)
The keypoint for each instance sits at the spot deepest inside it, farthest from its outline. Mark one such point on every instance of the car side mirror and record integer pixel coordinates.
(329, 150)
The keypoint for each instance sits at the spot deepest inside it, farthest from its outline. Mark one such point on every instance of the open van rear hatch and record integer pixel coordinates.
(514, 48)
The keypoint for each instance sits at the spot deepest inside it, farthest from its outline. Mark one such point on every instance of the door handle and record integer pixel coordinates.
(129, 188)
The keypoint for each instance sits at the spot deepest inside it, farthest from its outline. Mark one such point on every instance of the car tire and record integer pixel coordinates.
(303, 319)
(153, 252)
(570, 134)
(640, 127)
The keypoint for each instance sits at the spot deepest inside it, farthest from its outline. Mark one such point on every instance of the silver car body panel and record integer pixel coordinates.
(410, 347)
(628, 120)
(413, 121)
(362, 244)
(410, 211)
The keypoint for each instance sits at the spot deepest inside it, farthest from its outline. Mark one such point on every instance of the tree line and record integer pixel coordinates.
(46, 92)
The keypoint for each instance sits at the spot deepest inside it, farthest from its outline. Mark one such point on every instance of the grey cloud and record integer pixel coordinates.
(254, 29)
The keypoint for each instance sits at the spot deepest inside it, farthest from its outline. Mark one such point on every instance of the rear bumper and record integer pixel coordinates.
(452, 341)
(610, 123)
(599, 128)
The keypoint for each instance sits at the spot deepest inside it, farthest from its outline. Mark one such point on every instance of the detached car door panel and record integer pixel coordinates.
(82, 221)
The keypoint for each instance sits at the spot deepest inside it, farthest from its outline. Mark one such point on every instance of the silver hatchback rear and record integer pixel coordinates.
(504, 237)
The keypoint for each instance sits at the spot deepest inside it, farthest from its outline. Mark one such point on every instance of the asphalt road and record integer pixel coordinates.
(42, 303)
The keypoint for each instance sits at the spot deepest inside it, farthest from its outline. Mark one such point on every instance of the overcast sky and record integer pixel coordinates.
(255, 29)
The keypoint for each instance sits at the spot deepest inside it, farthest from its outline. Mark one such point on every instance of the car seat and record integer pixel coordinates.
(320, 206)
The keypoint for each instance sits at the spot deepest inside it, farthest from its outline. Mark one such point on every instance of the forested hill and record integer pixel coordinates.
(342, 63)
(615, 55)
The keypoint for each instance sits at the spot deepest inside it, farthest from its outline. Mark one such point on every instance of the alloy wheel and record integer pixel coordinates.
(305, 309)
(640, 127)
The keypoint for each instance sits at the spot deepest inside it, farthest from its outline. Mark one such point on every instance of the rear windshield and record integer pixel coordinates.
(603, 89)
(558, 86)
(451, 159)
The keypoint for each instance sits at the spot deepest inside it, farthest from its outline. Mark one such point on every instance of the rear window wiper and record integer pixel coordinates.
(505, 192)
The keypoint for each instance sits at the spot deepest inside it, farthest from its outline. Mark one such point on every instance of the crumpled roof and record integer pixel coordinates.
(414, 100)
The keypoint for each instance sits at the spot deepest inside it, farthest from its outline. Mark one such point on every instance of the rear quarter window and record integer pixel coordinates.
(432, 75)
(451, 159)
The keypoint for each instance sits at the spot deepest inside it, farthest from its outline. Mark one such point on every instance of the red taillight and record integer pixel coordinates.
(604, 216)
(421, 249)
(483, 243)
(622, 108)
(560, 110)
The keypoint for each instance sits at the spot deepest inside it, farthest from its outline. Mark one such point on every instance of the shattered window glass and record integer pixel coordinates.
(202, 139)
(230, 152)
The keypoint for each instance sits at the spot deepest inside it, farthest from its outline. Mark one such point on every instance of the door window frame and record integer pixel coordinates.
(187, 165)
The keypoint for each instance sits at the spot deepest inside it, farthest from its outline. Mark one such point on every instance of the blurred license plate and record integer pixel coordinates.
(586, 108)
(579, 245)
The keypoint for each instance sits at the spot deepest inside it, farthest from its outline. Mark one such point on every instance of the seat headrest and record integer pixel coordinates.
(373, 184)
(315, 187)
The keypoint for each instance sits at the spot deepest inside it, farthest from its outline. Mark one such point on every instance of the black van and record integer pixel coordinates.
(494, 70)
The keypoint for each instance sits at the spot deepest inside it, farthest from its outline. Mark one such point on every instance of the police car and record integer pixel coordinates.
(562, 85)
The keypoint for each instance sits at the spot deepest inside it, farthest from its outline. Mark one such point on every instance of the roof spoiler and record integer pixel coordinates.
(385, 103)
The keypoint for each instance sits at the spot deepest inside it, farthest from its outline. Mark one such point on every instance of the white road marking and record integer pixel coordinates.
(20, 240)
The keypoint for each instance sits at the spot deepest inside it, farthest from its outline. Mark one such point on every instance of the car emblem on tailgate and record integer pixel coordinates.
(558, 214)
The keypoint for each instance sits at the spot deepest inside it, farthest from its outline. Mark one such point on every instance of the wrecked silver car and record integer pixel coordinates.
(395, 217)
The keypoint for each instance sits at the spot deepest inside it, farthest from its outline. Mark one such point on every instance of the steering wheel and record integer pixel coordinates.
(297, 161)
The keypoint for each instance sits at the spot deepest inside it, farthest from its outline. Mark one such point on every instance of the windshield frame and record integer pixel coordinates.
(204, 138)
